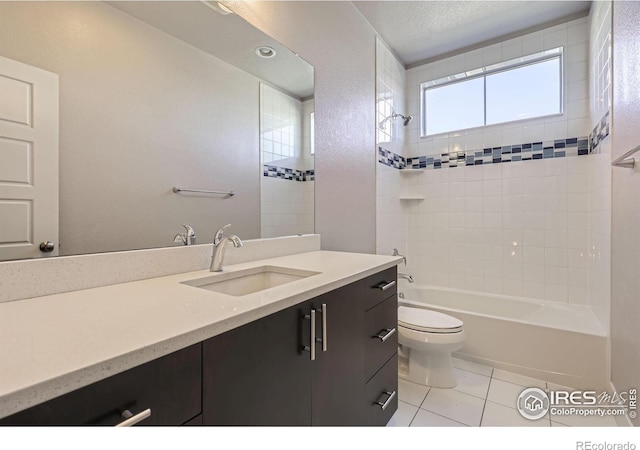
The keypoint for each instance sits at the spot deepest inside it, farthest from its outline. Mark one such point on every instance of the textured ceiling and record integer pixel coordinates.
(420, 30)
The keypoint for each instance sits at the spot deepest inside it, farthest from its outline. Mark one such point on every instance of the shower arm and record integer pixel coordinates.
(394, 116)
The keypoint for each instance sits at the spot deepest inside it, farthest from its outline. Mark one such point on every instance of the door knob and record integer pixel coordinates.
(47, 246)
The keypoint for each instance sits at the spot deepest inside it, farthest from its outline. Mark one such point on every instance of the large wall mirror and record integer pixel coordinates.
(141, 98)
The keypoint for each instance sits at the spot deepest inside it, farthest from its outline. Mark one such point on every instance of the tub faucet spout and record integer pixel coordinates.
(404, 276)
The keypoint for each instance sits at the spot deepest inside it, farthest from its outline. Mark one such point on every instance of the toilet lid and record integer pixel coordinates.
(427, 320)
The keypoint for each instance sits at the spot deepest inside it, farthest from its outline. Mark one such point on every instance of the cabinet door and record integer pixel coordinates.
(259, 374)
(169, 386)
(338, 372)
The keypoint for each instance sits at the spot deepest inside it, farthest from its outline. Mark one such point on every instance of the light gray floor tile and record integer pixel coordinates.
(472, 383)
(426, 418)
(496, 415)
(412, 393)
(516, 378)
(504, 393)
(472, 367)
(403, 416)
(454, 405)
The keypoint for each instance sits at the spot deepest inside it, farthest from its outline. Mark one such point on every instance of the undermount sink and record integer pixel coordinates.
(249, 281)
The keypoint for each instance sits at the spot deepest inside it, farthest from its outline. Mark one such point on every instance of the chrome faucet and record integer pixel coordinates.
(186, 238)
(397, 253)
(220, 245)
(404, 276)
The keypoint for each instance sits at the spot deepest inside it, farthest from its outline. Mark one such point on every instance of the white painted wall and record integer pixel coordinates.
(625, 259)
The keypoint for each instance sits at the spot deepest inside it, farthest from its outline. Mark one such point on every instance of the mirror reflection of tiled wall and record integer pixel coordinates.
(287, 164)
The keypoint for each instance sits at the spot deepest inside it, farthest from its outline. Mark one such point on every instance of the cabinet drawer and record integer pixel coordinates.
(373, 287)
(381, 335)
(170, 386)
(382, 392)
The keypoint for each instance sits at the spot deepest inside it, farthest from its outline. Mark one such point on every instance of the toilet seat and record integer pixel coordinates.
(428, 321)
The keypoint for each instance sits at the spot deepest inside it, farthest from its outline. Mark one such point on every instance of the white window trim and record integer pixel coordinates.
(483, 72)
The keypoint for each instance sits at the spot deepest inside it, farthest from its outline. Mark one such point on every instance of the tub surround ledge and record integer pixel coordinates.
(58, 343)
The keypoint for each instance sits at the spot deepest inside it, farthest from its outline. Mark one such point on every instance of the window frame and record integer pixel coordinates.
(484, 72)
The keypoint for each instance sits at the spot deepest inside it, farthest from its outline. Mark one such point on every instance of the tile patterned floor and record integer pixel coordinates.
(483, 397)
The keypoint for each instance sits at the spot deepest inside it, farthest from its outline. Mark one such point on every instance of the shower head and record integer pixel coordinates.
(405, 119)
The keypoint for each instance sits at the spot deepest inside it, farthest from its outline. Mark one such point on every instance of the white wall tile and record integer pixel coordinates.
(480, 212)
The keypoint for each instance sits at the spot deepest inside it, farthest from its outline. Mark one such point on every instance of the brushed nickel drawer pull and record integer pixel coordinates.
(385, 334)
(384, 404)
(130, 419)
(311, 348)
(384, 285)
(323, 339)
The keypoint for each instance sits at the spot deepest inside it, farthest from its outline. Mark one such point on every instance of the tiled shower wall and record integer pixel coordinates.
(573, 35)
(390, 86)
(599, 163)
(287, 191)
(516, 228)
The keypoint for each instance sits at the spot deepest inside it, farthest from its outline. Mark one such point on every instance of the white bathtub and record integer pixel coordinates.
(557, 342)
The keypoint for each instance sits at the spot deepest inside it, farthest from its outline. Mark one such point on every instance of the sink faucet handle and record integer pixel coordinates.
(397, 253)
(220, 234)
(186, 238)
(190, 235)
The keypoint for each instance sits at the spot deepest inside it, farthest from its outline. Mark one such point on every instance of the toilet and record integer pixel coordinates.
(427, 339)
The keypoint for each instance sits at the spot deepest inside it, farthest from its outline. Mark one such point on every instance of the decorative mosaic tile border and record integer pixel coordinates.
(288, 174)
(518, 152)
(388, 158)
(600, 133)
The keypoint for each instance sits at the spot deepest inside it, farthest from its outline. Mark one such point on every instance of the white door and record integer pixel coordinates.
(28, 161)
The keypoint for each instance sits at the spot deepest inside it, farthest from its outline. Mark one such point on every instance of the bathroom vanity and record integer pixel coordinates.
(320, 350)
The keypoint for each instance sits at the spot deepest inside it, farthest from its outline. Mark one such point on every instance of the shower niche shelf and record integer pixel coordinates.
(409, 197)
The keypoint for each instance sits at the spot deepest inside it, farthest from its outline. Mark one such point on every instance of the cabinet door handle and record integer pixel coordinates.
(384, 285)
(311, 348)
(130, 419)
(323, 311)
(385, 334)
(384, 404)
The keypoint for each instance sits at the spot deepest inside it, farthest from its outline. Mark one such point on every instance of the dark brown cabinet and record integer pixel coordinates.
(264, 373)
(258, 374)
(168, 386)
(337, 387)
(381, 347)
(331, 360)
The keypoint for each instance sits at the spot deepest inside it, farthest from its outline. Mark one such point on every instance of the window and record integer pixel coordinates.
(280, 125)
(523, 88)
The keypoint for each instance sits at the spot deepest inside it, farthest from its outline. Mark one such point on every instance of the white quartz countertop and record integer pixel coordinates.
(55, 344)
